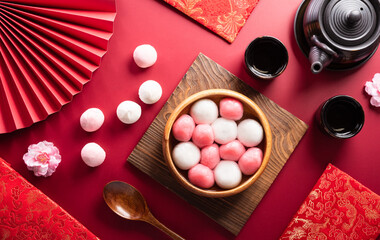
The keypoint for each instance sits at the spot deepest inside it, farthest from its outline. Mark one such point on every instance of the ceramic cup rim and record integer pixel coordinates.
(358, 110)
(248, 53)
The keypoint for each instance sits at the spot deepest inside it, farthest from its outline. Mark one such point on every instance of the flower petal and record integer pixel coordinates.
(50, 162)
(375, 101)
(370, 88)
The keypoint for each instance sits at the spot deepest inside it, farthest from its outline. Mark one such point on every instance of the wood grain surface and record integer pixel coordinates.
(230, 212)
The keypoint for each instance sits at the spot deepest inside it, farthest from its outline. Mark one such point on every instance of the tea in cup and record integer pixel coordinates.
(341, 116)
(266, 57)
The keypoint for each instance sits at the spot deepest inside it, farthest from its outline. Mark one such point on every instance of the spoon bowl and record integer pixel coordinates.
(127, 202)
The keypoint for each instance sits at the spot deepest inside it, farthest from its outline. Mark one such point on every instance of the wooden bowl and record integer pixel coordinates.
(251, 110)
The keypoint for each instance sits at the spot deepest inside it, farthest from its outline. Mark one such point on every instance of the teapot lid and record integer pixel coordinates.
(350, 22)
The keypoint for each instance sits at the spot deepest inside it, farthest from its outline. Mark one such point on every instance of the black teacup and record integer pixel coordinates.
(341, 116)
(266, 57)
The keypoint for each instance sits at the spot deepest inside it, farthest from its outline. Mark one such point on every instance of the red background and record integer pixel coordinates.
(178, 40)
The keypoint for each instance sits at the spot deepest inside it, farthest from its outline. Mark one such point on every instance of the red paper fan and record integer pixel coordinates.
(48, 50)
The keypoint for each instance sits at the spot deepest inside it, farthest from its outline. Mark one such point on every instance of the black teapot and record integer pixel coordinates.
(338, 34)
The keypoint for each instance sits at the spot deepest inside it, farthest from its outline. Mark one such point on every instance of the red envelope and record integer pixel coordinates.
(224, 17)
(338, 207)
(26, 213)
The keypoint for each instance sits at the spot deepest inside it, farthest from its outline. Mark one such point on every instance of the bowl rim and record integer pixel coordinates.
(190, 100)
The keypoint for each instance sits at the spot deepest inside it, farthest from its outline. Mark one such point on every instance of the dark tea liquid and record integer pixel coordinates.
(341, 116)
(268, 57)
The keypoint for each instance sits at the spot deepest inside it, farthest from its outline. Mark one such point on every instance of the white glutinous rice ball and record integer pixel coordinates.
(150, 92)
(92, 119)
(93, 155)
(250, 132)
(186, 155)
(145, 55)
(225, 130)
(227, 174)
(204, 111)
(128, 112)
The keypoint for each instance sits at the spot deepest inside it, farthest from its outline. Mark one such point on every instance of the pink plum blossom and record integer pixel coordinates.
(42, 158)
(373, 89)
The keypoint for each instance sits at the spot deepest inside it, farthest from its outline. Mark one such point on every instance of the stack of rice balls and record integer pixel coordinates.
(216, 145)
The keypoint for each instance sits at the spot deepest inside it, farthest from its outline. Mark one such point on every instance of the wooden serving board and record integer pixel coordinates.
(230, 212)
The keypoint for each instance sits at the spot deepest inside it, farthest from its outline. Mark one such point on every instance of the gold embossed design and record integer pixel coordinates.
(224, 17)
(189, 7)
(338, 207)
(26, 213)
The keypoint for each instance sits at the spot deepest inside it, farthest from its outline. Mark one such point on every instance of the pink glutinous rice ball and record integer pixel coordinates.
(92, 119)
(201, 176)
(225, 130)
(250, 132)
(145, 55)
(93, 155)
(230, 108)
(210, 156)
(203, 135)
(227, 174)
(186, 155)
(204, 111)
(183, 128)
(251, 160)
(232, 150)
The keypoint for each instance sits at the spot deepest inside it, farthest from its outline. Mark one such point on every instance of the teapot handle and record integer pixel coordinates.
(324, 47)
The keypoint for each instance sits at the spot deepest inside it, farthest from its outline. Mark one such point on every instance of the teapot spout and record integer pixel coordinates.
(318, 59)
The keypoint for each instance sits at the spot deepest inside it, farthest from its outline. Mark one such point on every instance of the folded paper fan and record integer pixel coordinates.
(48, 50)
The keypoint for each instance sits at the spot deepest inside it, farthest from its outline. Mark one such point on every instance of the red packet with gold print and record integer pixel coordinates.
(26, 213)
(224, 17)
(338, 207)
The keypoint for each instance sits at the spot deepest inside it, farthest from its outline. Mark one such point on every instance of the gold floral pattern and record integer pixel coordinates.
(338, 207)
(189, 7)
(229, 24)
(224, 17)
(26, 213)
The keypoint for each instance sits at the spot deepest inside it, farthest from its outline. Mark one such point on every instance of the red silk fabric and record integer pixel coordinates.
(224, 17)
(26, 213)
(338, 207)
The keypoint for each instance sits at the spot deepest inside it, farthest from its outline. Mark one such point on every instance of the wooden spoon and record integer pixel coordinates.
(127, 202)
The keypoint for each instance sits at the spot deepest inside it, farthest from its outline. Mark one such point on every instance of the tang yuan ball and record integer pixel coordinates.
(92, 119)
(145, 55)
(231, 108)
(150, 92)
(204, 111)
(227, 174)
(225, 130)
(232, 150)
(128, 112)
(250, 132)
(201, 176)
(203, 135)
(210, 156)
(250, 161)
(186, 155)
(183, 128)
(93, 155)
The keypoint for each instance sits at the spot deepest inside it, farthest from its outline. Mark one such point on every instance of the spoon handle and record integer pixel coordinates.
(152, 220)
